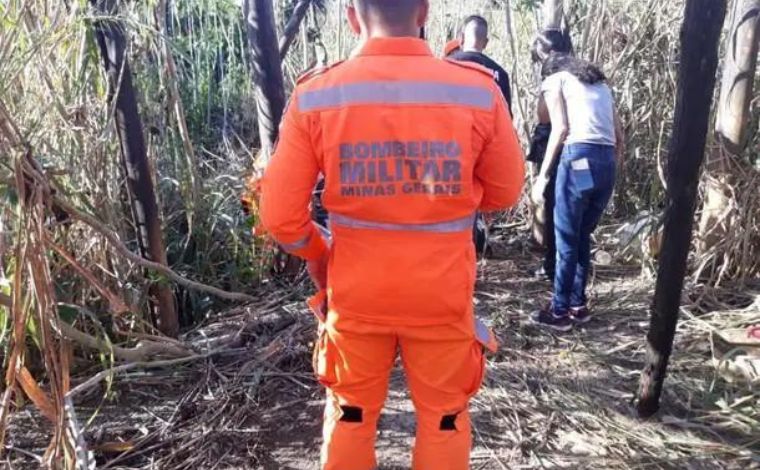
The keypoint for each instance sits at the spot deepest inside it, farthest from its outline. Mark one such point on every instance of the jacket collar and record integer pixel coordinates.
(394, 46)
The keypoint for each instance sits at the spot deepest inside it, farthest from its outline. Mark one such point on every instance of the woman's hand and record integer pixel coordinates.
(555, 102)
(539, 189)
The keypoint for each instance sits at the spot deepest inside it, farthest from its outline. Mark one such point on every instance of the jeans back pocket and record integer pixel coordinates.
(582, 177)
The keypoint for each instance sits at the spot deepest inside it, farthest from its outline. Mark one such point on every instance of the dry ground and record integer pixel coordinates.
(550, 401)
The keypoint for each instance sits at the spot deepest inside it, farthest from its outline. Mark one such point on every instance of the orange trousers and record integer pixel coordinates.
(444, 368)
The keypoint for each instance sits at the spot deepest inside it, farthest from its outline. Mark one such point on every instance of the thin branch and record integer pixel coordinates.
(139, 353)
(117, 305)
(291, 28)
(94, 380)
(9, 127)
(113, 239)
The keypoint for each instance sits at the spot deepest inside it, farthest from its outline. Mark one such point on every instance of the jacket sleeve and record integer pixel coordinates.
(287, 188)
(500, 167)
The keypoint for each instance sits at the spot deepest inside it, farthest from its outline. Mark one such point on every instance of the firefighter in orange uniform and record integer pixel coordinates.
(410, 147)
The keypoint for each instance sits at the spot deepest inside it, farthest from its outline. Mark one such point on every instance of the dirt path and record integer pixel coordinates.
(565, 401)
(550, 401)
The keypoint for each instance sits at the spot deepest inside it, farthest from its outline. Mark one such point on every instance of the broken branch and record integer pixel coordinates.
(116, 243)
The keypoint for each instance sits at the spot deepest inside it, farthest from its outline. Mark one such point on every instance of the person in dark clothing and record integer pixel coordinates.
(474, 39)
(538, 144)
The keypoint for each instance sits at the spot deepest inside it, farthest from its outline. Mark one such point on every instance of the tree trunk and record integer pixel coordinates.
(266, 67)
(291, 28)
(738, 75)
(731, 124)
(553, 11)
(266, 71)
(112, 43)
(700, 33)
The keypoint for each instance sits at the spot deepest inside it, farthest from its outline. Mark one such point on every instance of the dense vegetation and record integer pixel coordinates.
(66, 225)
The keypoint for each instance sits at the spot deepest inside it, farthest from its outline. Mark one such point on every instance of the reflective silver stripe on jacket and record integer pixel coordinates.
(398, 92)
(296, 245)
(451, 226)
(482, 332)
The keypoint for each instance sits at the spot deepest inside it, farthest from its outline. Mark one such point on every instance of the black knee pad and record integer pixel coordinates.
(449, 422)
(351, 414)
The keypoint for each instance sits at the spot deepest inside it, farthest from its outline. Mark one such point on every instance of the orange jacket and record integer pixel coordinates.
(451, 46)
(411, 147)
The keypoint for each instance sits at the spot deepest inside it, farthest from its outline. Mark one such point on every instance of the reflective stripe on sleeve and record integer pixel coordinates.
(397, 92)
(451, 226)
(485, 336)
(298, 245)
(482, 333)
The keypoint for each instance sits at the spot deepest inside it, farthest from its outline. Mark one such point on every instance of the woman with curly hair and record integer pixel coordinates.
(585, 144)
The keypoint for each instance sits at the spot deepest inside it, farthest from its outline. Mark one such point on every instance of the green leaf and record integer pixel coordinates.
(9, 195)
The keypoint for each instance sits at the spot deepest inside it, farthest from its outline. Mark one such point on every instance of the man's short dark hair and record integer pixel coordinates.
(478, 20)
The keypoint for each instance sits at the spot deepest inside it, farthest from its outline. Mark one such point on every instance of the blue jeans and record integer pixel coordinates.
(585, 180)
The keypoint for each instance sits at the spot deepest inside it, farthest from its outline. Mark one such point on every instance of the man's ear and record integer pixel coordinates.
(485, 43)
(353, 20)
(422, 16)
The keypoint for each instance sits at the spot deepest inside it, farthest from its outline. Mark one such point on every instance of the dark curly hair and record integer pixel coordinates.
(550, 41)
(583, 70)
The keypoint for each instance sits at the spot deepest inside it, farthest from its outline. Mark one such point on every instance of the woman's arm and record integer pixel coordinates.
(555, 104)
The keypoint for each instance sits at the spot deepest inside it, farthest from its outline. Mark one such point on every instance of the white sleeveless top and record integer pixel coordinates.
(590, 109)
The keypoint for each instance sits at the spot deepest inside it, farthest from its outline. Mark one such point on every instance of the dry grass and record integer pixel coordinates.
(244, 397)
(549, 401)
(566, 401)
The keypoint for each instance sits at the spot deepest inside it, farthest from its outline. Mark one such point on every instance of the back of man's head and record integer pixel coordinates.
(388, 17)
(475, 33)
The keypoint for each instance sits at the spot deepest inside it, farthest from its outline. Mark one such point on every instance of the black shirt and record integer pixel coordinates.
(499, 74)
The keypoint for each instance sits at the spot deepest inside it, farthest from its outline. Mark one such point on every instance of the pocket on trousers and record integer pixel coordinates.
(323, 359)
(478, 368)
(582, 177)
